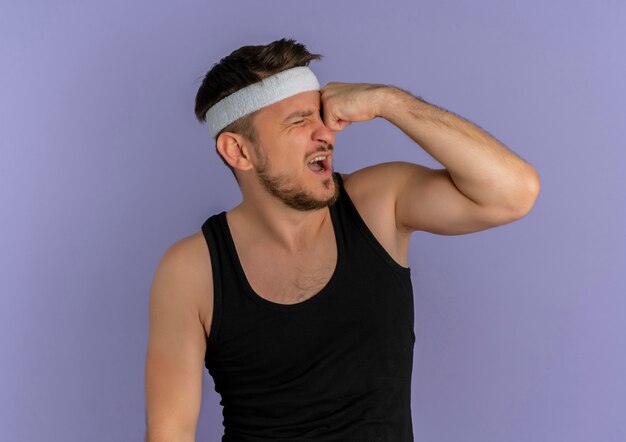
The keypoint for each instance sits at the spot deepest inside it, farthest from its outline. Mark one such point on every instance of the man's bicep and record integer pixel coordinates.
(176, 348)
(428, 200)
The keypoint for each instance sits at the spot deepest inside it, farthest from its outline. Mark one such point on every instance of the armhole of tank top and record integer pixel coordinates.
(216, 314)
(373, 241)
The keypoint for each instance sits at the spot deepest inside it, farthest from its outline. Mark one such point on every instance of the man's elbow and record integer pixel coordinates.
(527, 202)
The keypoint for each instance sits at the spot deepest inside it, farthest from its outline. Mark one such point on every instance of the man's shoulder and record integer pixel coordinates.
(187, 263)
(189, 254)
(373, 187)
(377, 178)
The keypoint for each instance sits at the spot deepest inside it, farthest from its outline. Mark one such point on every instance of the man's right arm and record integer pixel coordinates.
(177, 343)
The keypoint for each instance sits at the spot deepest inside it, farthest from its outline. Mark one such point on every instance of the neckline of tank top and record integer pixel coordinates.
(322, 293)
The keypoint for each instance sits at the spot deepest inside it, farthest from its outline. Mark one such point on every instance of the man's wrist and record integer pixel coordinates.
(388, 99)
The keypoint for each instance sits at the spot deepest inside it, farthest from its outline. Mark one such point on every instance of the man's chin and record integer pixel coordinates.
(305, 196)
(310, 201)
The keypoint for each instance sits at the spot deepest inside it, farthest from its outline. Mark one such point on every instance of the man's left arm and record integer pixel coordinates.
(483, 184)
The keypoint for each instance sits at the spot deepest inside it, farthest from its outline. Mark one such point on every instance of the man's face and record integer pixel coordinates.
(291, 133)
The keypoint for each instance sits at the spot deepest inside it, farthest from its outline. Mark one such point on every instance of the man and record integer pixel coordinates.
(299, 300)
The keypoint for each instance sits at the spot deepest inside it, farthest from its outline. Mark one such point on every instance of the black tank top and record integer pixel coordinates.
(334, 367)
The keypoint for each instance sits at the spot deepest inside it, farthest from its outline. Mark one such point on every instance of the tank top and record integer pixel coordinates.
(335, 367)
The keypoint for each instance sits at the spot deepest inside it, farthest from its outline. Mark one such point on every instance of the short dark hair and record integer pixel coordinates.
(243, 67)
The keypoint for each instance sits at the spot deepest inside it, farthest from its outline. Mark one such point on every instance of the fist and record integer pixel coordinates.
(346, 103)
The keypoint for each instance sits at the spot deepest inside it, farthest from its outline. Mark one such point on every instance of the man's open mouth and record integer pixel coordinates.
(320, 163)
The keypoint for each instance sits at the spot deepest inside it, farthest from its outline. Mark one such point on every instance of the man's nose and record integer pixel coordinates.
(324, 133)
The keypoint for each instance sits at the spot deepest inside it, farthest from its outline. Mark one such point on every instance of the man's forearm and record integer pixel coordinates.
(480, 166)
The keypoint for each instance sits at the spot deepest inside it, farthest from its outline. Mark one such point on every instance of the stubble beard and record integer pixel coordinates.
(293, 196)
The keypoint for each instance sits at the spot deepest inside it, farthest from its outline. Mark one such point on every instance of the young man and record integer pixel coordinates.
(299, 300)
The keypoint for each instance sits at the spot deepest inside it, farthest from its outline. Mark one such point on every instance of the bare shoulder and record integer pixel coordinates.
(190, 262)
(179, 296)
(375, 180)
(373, 191)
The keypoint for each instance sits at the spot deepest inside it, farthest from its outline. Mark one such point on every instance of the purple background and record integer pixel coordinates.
(520, 329)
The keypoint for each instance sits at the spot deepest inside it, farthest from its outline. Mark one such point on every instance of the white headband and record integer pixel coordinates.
(255, 96)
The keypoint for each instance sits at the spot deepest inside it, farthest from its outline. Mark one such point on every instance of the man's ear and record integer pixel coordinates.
(234, 150)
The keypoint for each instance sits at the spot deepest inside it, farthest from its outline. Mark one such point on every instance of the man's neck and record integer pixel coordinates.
(289, 229)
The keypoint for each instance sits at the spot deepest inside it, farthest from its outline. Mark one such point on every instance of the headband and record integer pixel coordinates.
(258, 95)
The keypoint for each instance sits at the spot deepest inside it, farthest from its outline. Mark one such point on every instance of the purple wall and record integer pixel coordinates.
(520, 329)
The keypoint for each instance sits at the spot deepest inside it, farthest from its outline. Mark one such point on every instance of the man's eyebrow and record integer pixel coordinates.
(299, 113)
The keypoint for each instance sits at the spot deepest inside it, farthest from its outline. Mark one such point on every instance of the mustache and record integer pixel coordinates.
(327, 148)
